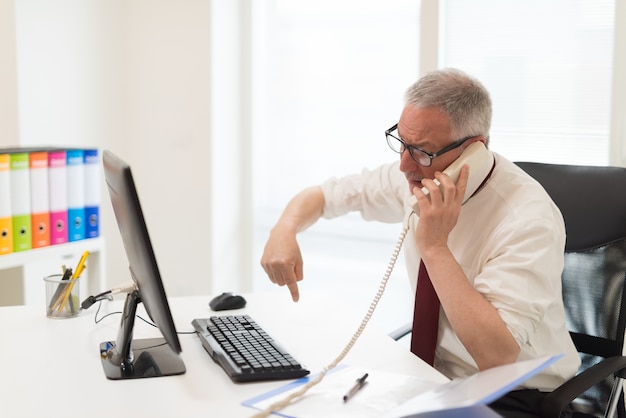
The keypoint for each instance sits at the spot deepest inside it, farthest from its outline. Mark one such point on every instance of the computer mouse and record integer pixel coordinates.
(227, 301)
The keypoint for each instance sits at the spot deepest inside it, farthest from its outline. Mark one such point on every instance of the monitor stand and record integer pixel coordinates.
(126, 358)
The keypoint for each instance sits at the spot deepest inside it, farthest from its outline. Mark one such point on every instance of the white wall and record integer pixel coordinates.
(132, 76)
(231, 176)
(8, 76)
(618, 102)
(165, 60)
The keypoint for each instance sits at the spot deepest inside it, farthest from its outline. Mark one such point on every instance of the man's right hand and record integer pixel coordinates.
(282, 261)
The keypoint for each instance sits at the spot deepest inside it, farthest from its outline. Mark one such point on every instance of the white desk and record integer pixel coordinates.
(51, 367)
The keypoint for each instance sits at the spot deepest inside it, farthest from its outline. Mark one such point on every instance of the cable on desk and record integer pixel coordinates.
(152, 324)
(127, 288)
(277, 406)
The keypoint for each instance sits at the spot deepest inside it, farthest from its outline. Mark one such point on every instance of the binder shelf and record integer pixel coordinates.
(20, 285)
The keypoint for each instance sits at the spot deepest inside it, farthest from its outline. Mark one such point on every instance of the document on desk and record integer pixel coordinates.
(381, 392)
(481, 388)
(391, 395)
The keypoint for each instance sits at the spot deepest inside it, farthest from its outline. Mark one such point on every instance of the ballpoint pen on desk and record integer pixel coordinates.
(360, 382)
(68, 289)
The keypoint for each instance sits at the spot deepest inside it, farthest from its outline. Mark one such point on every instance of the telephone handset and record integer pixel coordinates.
(478, 158)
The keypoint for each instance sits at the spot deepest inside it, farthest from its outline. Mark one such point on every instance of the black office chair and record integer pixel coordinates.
(593, 203)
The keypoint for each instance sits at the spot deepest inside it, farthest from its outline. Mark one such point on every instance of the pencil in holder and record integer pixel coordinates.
(62, 296)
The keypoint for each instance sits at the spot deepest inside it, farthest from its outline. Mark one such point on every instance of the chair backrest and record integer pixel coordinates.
(593, 203)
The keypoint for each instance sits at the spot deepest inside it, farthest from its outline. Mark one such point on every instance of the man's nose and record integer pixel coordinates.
(407, 163)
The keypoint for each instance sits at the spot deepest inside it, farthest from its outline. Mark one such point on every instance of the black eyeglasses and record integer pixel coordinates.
(423, 158)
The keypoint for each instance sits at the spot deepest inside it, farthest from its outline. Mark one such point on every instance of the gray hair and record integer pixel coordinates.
(463, 98)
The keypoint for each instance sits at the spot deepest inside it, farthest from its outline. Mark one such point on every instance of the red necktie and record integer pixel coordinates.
(426, 311)
(425, 318)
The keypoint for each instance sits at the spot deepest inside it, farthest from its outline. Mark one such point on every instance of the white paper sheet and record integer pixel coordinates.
(392, 395)
(382, 392)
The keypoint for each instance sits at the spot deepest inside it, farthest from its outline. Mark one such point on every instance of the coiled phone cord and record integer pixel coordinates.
(277, 406)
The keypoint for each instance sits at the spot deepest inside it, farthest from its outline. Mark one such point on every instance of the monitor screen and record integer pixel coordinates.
(127, 358)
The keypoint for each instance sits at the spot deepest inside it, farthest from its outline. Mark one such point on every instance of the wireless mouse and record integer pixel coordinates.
(227, 301)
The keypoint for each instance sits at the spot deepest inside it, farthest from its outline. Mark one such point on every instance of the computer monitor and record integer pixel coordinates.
(128, 358)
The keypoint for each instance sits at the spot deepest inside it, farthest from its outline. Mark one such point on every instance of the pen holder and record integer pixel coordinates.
(62, 300)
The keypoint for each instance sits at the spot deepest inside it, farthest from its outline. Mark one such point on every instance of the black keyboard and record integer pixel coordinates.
(244, 350)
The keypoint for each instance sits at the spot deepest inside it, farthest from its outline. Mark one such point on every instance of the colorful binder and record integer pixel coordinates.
(75, 194)
(57, 181)
(92, 193)
(6, 221)
(48, 196)
(19, 176)
(39, 199)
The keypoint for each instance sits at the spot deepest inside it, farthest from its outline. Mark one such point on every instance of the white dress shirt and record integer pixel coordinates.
(509, 240)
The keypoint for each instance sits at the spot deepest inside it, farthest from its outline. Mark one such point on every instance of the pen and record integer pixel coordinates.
(67, 273)
(360, 382)
(81, 265)
(68, 290)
